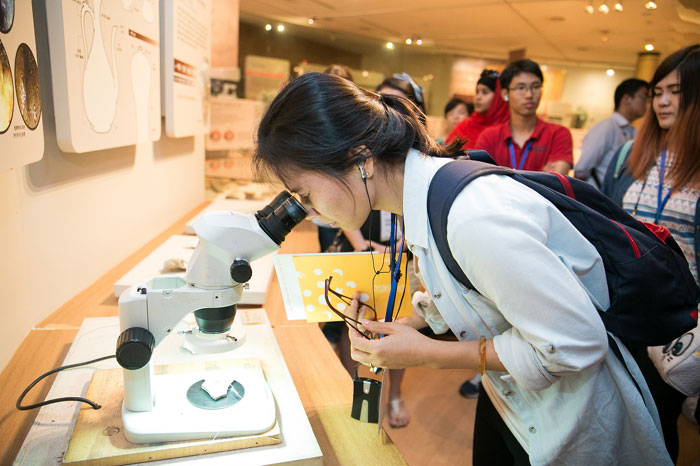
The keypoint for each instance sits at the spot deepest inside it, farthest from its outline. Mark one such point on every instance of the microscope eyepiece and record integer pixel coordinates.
(281, 215)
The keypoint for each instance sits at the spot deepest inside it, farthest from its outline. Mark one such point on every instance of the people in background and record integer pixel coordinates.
(552, 392)
(456, 110)
(489, 109)
(660, 183)
(525, 142)
(606, 137)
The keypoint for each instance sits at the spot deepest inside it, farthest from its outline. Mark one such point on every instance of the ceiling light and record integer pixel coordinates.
(649, 47)
(603, 8)
(610, 72)
(365, 73)
(650, 5)
(589, 8)
(390, 45)
(618, 5)
(311, 20)
(419, 41)
(280, 27)
(268, 27)
(409, 41)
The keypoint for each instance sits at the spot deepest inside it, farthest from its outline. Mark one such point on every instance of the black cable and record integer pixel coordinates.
(59, 400)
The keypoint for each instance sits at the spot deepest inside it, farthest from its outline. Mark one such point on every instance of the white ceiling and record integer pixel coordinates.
(554, 30)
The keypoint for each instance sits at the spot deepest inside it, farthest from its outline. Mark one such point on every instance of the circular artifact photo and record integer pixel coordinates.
(27, 86)
(7, 102)
(7, 15)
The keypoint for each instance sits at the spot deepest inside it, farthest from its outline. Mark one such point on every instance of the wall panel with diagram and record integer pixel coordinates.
(105, 67)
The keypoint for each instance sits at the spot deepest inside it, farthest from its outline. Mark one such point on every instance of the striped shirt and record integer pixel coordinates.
(678, 215)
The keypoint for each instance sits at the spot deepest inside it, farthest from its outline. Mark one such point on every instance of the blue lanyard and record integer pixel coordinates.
(395, 269)
(526, 152)
(660, 204)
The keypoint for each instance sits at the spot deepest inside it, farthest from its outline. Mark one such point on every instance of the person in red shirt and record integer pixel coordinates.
(489, 109)
(525, 142)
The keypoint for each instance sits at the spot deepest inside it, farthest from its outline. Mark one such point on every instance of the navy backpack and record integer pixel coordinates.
(653, 295)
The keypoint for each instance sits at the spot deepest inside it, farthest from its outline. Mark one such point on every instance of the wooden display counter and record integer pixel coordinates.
(323, 385)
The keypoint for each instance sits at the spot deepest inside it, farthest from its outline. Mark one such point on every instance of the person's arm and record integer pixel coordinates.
(561, 157)
(503, 249)
(593, 149)
(559, 166)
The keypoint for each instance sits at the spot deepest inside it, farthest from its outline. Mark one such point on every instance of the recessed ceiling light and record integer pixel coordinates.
(618, 6)
(311, 20)
(610, 72)
(409, 41)
(650, 5)
(589, 9)
(390, 45)
(603, 8)
(365, 73)
(280, 27)
(268, 27)
(649, 47)
(419, 41)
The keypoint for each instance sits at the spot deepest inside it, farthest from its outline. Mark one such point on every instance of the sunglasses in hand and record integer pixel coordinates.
(347, 300)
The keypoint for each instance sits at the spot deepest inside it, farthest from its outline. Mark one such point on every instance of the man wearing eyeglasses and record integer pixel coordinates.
(525, 142)
(605, 138)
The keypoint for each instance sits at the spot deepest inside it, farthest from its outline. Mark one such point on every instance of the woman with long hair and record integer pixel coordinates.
(660, 183)
(489, 109)
(552, 390)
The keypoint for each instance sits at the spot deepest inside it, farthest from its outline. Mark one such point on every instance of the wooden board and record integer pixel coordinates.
(98, 436)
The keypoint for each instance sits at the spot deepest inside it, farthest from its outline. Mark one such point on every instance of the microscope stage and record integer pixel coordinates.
(175, 417)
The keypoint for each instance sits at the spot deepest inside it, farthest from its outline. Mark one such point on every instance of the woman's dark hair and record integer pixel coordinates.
(326, 124)
(520, 66)
(404, 83)
(683, 138)
(453, 102)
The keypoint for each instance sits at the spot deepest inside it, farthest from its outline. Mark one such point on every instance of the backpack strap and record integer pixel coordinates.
(622, 158)
(444, 188)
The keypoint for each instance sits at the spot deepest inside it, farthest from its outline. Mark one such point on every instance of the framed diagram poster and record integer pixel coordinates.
(105, 68)
(21, 129)
(185, 47)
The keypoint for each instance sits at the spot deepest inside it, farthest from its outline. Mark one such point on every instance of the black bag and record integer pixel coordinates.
(653, 295)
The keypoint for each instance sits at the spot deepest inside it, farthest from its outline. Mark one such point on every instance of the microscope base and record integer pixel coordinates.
(174, 418)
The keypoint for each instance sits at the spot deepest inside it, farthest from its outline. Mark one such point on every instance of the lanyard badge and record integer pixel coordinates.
(526, 152)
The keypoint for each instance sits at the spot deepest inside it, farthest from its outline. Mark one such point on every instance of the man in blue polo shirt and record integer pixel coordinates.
(607, 136)
(525, 142)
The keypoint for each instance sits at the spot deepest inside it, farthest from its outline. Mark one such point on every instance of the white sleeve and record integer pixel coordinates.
(503, 250)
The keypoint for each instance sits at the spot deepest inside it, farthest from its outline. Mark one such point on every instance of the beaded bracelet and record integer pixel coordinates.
(482, 355)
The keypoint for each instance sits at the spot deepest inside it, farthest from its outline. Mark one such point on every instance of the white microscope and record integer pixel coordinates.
(156, 410)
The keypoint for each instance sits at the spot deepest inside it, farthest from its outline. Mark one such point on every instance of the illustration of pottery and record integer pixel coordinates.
(141, 84)
(100, 80)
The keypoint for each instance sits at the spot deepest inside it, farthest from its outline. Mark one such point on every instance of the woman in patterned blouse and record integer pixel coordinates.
(660, 183)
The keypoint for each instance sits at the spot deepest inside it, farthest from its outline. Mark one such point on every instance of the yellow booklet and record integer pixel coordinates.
(302, 279)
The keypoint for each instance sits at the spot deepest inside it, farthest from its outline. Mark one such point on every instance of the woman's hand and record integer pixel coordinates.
(402, 346)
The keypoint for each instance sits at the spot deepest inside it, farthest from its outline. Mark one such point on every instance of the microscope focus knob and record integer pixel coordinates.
(134, 348)
(241, 271)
